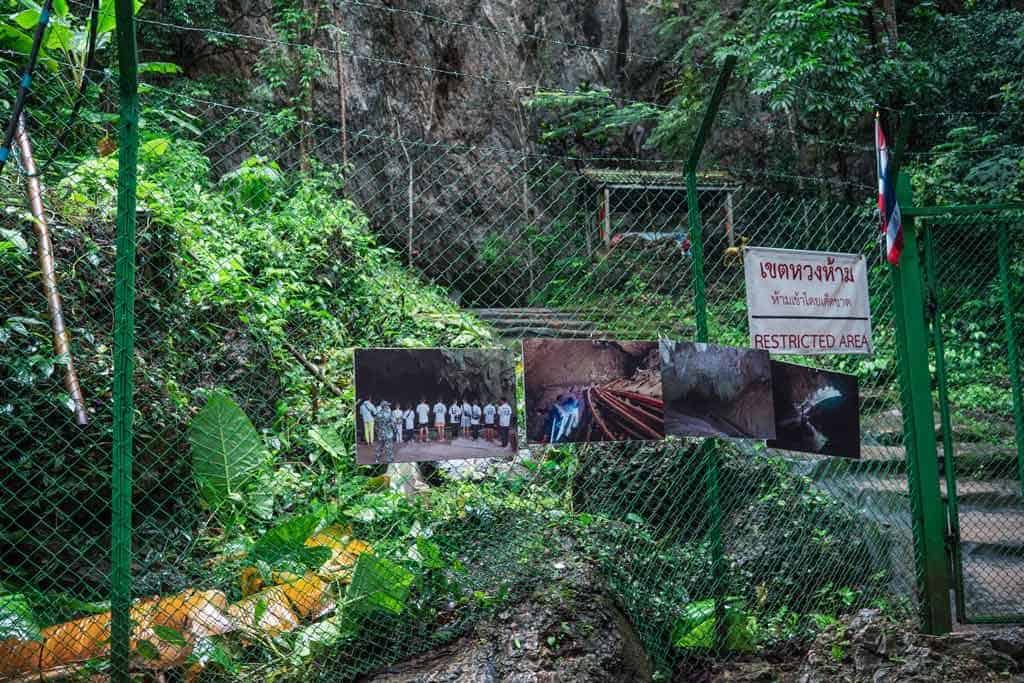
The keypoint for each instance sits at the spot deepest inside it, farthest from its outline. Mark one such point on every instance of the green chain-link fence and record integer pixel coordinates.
(258, 547)
(974, 304)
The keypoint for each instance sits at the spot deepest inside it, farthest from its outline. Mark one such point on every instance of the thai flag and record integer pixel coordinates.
(888, 207)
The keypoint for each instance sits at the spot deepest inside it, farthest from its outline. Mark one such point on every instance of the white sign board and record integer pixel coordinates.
(807, 302)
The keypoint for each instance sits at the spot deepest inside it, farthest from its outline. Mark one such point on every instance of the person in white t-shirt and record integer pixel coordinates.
(397, 416)
(440, 410)
(454, 419)
(475, 420)
(410, 421)
(423, 419)
(504, 421)
(490, 412)
(467, 419)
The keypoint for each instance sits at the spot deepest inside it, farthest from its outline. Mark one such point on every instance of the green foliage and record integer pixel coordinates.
(379, 584)
(787, 47)
(66, 39)
(254, 183)
(587, 115)
(282, 547)
(697, 628)
(16, 618)
(974, 135)
(227, 450)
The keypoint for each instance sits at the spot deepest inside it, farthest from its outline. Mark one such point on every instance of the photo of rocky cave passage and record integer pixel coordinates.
(581, 390)
(416, 405)
(816, 411)
(715, 390)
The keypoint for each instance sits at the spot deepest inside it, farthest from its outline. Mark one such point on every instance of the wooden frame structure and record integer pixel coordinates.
(609, 180)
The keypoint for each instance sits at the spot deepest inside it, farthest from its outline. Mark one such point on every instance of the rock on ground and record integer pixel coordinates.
(872, 649)
(564, 631)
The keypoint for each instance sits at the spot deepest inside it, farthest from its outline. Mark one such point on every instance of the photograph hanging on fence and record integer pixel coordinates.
(712, 390)
(581, 390)
(816, 411)
(415, 405)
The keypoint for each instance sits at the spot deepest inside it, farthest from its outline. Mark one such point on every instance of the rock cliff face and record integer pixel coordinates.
(443, 73)
(453, 70)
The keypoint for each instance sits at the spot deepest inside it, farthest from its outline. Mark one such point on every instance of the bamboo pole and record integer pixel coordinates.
(61, 345)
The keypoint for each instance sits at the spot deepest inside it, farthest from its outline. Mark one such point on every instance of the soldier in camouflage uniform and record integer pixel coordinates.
(385, 446)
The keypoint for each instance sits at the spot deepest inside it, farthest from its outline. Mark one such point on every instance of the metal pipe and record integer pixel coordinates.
(625, 411)
(47, 269)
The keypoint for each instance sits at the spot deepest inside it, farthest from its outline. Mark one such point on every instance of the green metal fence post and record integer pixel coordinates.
(712, 493)
(693, 206)
(1011, 348)
(124, 342)
(929, 521)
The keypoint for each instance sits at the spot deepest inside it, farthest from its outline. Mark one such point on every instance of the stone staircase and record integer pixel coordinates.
(991, 521)
(540, 322)
(582, 323)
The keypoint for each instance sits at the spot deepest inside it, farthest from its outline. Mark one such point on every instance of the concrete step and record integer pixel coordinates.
(536, 313)
(553, 332)
(993, 585)
(982, 492)
(1001, 531)
(553, 323)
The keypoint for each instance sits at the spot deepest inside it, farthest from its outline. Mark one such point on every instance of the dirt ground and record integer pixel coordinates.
(868, 648)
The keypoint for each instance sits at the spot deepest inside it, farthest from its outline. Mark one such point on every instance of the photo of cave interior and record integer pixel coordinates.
(582, 390)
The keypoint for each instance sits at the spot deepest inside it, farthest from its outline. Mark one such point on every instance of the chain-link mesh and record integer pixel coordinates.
(261, 549)
(975, 300)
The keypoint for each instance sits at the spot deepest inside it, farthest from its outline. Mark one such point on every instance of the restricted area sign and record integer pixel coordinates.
(807, 302)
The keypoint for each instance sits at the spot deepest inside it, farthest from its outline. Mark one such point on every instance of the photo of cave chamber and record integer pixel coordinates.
(713, 390)
(399, 383)
(581, 390)
(816, 411)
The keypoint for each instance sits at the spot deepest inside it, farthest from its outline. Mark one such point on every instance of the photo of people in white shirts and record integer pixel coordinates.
(434, 404)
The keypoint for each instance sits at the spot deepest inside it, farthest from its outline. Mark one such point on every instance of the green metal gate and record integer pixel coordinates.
(974, 298)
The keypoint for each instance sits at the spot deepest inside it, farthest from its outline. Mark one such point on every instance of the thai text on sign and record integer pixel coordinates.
(807, 302)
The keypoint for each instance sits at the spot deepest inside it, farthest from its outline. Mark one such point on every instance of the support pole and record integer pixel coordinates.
(692, 205)
(929, 521)
(729, 219)
(712, 493)
(607, 218)
(48, 272)
(124, 346)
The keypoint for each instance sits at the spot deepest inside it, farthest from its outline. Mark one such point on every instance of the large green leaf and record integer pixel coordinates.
(13, 39)
(378, 585)
(16, 619)
(696, 628)
(226, 449)
(283, 547)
